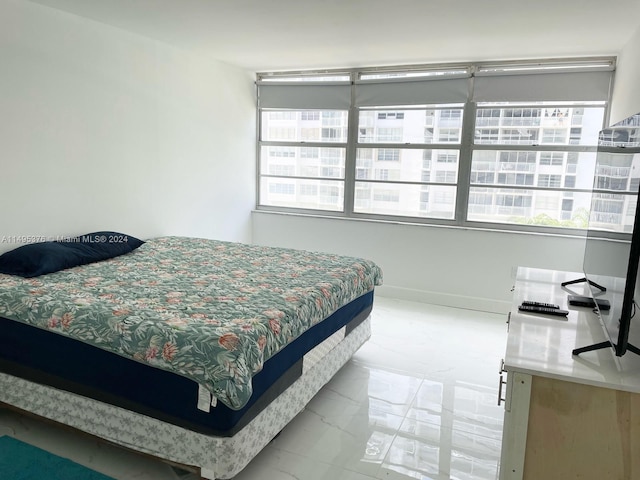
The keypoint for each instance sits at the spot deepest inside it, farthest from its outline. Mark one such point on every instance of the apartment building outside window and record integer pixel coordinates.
(473, 145)
(617, 178)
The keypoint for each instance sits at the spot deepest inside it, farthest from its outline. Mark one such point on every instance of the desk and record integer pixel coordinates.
(566, 416)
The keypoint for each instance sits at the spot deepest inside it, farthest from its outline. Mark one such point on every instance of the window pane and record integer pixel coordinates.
(543, 169)
(291, 161)
(538, 125)
(410, 126)
(618, 171)
(408, 165)
(433, 201)
(302, 193)
(550, 181)
(305, 125)
(613, 212)
(529, 207)
(623, 134)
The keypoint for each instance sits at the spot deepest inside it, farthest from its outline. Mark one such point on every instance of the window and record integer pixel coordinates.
(440, 145)
(551, 158)
(281, 170)
(386, 195)
(545, 180)
(569, 181)
(554, 135)
(548, 157)
(413, 170)
(382, 174)
(308, 167)
(446, 177)
(515, 179)
(281, 188)
(390, 115)
(307, 115)
(617, 177)
(446, 157)
(388, 155)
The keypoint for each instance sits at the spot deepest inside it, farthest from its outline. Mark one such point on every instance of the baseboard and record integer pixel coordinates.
(445, 299)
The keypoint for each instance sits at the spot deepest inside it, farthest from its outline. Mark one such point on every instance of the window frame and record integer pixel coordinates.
(424, 184)
(466, 147)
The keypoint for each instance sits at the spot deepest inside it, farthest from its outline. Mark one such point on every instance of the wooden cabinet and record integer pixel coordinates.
(566, 416)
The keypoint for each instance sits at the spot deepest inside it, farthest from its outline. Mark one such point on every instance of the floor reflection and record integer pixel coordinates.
(449, 430)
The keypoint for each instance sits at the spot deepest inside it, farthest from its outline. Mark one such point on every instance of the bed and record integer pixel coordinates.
(192, 350)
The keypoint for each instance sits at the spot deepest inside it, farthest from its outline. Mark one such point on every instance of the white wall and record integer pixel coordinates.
(448, 266)
(626, 90)
(101, 129)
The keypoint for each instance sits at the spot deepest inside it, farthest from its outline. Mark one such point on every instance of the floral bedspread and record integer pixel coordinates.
(209, 310)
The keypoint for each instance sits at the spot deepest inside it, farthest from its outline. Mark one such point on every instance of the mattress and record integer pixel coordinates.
(27, 352)
(198, 333)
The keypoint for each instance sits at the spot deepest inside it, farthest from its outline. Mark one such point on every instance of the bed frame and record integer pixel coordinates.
(214, 457)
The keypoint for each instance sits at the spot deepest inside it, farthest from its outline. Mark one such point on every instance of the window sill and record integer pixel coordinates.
(499, 228)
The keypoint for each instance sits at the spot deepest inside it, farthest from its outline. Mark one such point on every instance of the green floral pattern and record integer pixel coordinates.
(209, 310)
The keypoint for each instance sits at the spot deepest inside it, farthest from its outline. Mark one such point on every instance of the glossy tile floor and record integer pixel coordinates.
(418, 401)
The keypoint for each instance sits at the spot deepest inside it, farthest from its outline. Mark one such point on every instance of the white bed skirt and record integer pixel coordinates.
(216, 457)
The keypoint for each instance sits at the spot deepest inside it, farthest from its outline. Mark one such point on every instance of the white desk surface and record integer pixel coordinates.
(542, 344)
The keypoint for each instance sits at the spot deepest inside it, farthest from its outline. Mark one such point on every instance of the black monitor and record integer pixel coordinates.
(612, 248)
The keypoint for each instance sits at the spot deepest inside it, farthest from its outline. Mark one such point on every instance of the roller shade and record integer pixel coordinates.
(487, 87)
(567, 86)
(411, 92)
(309, 95)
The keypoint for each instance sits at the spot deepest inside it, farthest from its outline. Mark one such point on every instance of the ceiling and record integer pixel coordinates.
(271, 35)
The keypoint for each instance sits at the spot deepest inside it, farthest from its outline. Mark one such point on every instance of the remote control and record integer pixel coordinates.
(544, 310)
(540, 304)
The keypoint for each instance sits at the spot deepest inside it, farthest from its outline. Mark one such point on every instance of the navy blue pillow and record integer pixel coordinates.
(41, 258)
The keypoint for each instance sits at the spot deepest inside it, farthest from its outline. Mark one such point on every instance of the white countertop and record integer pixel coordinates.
(542, 344)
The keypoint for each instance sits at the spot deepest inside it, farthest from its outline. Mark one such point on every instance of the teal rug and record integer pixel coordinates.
(21, 461)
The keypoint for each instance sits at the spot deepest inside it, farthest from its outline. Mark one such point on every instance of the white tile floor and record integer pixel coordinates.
(418, 401)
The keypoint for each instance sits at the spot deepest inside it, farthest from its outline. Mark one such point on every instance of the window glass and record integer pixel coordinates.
(433, 201)
(302, 193)
(549, 156)
(410, 126)
(410, 165)
(529, 207)
(526, 167)
(304, 126)
(302, 161)
(538, 125)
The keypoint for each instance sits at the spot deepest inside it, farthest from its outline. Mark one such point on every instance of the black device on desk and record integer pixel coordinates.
(582, 301)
